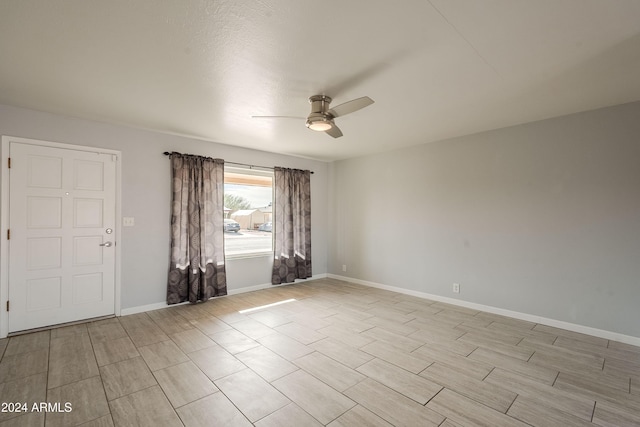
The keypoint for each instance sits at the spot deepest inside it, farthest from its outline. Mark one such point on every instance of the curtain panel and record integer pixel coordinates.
(292, 225)
(197, 269)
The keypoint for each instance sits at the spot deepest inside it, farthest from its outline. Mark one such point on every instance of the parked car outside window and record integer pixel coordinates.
(267, 226)
(231, 225)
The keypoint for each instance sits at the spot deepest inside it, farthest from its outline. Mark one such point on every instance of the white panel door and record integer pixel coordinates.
(61, 248)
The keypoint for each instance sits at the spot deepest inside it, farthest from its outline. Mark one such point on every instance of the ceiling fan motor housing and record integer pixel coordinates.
(319, 119)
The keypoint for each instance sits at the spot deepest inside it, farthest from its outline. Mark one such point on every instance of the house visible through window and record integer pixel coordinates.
(248, 200)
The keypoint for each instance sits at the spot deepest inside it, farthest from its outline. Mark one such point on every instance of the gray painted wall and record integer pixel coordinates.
(146, 196)
(541, 218)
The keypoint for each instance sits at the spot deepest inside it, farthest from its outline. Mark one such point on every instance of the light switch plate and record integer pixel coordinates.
(128, 221)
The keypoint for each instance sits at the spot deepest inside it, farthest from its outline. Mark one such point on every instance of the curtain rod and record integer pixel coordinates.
(167, 153)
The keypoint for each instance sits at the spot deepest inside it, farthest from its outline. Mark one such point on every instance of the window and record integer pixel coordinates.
(248, 201)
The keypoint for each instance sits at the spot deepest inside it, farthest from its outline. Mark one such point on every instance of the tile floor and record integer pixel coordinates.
(339, 355)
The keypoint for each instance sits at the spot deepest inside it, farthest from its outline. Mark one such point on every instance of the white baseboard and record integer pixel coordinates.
(614, 336)
(163, 304)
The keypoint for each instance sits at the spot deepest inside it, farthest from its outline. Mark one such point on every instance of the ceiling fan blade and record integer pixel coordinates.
(334, 131)
(278, 117)
(350, 106)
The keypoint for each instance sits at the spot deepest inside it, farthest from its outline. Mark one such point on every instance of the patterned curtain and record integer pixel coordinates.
(292, 225)
(197, 270)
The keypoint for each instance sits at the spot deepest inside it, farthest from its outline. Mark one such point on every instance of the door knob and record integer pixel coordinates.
(106, 244)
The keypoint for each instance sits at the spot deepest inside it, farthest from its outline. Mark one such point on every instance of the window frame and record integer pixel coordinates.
(249, 171)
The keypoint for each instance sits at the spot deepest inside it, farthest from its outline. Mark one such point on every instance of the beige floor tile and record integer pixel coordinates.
(315, 397)
(570, 334)
(233, 341)
(612, 415)
(616, 345)
(483, 334)
(71, 359)
(491, 395)
(251, 394)
(126, 377)
(266, 363)
(359, 416)
(536, 336)
(23, 365)
(556, 376)
(87, 399)
(105, 421)
(499, 321)
(591, 389)
(253, 329)
(184, 383)
(210, 325)
(311, 322)
(429, 329)
(300, 333)
(393, 355)
(382, 310)
(28, 343)
(27, 390)
(289, 416)
(136, 321)
(399, 341)
(330, 372)
(455, 315)
(599, 349)
(410, 385)
(147, 335)
(213, 410)
(341, 352)
(172, 324)
(148, 407)
(393, 407)
(190, 311)
(31, 419)
(269, 318)
(439, 353)
(467, 412)
(446, 338)
(192, 340)
(216, 362)
(429, 321)
(162, 355)
(536, 413)
(349, 322)
(522, 353)
(72, 330)
(113, 351)
(286, 347)
(564, 363)
(492, 358)
(105, 330)
(391, 326)
(345, 336)
(3, 346)
(550, 396)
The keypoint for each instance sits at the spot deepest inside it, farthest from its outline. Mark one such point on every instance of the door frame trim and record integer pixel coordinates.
(4, 219)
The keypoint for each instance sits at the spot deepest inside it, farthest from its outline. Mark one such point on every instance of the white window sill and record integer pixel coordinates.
(235, 256)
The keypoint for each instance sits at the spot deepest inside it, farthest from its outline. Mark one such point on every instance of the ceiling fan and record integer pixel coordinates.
(322, 117)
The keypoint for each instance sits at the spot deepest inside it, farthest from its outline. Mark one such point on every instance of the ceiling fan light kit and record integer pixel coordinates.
(318, 119)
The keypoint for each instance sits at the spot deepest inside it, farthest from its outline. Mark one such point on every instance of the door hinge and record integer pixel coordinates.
(9, 162)
(7, 305)
(8, 234)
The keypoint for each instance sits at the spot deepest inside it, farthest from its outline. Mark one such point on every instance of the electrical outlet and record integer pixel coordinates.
(344, 267)
(456, 288)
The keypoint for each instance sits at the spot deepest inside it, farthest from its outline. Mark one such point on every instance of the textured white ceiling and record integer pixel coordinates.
(436, 69)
